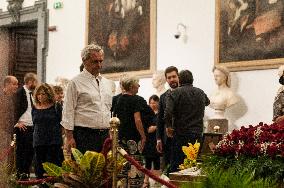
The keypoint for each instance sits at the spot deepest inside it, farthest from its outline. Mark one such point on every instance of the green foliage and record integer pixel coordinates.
(66, 166)
(243, 171)
(77, 155)
(234, 178)
(87, 171)
(52, 169)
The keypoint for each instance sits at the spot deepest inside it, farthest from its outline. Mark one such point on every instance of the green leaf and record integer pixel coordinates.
(77, 155)
(97, 164)
(85, 162)
(66, 166)
(52, 169)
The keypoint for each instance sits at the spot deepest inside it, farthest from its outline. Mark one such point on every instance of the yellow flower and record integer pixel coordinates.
(191, 153)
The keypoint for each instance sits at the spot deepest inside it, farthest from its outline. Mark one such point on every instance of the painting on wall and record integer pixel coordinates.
(126, 29)
(249, 34)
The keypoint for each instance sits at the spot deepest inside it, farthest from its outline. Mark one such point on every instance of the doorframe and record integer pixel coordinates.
(39, 13)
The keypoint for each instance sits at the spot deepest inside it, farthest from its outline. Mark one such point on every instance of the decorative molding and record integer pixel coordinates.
(38, 13)
(14, 7)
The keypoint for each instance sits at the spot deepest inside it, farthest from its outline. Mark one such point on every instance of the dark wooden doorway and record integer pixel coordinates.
(23, 53)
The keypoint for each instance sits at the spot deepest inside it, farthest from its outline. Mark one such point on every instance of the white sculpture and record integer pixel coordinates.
(223, 97)
(158, 82)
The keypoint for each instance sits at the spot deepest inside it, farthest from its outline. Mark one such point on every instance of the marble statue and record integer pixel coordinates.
(158, 82)
(223, 97)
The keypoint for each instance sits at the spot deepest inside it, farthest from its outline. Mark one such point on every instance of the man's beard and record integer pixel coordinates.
(174, 85)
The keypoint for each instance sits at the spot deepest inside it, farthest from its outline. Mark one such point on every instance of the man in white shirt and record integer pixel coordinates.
(86, 109)
(24, 125)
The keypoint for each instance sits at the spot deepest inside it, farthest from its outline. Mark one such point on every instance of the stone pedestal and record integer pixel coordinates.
(209, 140)
(222, 123)
(186, 180)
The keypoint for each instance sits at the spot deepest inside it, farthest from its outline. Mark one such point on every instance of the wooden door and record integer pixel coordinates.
(23, 56)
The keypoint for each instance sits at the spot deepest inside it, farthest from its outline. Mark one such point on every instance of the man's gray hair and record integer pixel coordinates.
(85, 53)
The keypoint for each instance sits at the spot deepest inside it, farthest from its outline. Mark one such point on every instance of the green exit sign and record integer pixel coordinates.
(58, 5)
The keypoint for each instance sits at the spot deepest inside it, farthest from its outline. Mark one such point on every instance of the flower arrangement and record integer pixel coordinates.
(191, 152)
(252, 156)
(260, 140)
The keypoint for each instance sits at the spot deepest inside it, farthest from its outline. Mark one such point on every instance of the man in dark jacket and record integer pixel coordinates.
(163, 142)
(184, 116)
(24, 126)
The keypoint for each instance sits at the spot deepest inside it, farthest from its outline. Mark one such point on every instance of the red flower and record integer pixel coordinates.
(272, 150)
(248, 140)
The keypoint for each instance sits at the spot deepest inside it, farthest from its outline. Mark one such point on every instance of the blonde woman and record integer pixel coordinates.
(47, 140)
(134, 115)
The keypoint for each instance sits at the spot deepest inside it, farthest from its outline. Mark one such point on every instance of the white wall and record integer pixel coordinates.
(256, 88)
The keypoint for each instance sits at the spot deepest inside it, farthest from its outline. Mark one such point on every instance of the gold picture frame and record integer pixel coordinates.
(126, 32)
(249, 34)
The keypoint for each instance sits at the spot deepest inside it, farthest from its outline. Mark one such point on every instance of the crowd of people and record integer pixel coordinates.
(148, 132)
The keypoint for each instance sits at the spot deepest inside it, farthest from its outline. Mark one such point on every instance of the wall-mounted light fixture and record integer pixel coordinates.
(181, 32)
(52, 28)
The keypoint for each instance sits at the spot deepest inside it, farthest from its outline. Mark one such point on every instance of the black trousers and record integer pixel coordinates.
(24, 150)
(152, 160)
(176, 148)
(47, 153)
(88, 139)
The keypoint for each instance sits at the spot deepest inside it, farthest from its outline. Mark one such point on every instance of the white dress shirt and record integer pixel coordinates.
(27, 116)
(87, 103)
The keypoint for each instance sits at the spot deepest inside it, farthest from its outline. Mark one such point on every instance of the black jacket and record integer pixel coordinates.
(21, 104)
(161, 131)
(185, 110)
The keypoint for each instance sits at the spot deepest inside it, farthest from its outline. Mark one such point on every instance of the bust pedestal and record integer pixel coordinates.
(190, 179)
(222, 123)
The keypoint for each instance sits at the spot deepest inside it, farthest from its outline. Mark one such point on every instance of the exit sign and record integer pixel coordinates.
(58, 5)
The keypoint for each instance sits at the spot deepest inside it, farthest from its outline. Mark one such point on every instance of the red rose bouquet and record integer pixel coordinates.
(253, 141)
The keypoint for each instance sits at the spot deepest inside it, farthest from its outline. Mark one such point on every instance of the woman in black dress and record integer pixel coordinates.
(47, 139)
(150, 152)
(134, 113)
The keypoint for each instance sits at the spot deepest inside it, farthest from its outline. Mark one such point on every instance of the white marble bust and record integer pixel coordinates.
(223, 97)
(158, 82)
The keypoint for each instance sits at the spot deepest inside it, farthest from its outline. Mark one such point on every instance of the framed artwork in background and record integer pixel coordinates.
(126, 29)
(249, 34)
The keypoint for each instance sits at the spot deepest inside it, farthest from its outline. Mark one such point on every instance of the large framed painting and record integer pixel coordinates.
(126, 29)
(249, 34)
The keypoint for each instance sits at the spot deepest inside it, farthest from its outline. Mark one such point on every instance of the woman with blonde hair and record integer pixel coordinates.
(134, 115)
(47, 139)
